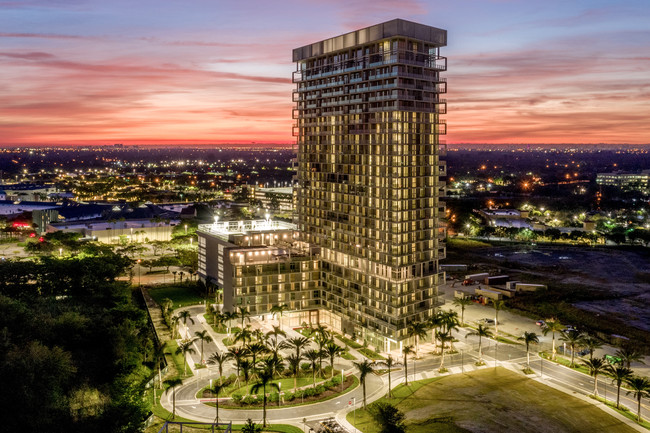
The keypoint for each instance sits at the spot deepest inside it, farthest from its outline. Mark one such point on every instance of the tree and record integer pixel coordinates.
(333, 350)
(246, 367)
(552, 326)
(528, 338)
(498, 306)
(313, 356)
(237, 354)
(216, 389)
(173, 383)
(166, 304)
(629, 355)
(365, 367)
(435, 322)
(406, 351)
(220, 359)
(185, 347)
(204, 337)
(595, 366)
(274, 365)
(443, 337)
(244, 314)
(417, 330)
(265, 379)
(243, 335)
(297, 344)
(591, 343)
(389, 363)
(389, 418)
(184, 316)
(256, 349)
(640, 387)
(251, 427)
(229, 316)
(481, 331)
(279, 310)
(619, 374)
(320, 333)
(275, 333)
(294, 367)
(462, 303)
(574, 339)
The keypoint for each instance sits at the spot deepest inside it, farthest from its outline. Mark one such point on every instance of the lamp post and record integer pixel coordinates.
(139, 267)
(60, 251)
(279, 393)
(185, 228)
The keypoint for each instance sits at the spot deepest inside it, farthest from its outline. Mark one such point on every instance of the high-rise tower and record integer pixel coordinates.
(368, 169)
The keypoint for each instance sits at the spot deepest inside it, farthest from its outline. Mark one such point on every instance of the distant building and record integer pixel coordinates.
(112, 232)
(639, 181)
(28, 191)
(505, 218)
(280, 199)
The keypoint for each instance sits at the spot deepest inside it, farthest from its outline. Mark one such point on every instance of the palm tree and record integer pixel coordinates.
(528, 338)
(256, 349)
(273, 347)
(406, 351)
(365, 367)
(443, 337)
(246, 367)
(275, 333)
(320, 332)
(333, 350)
(498, 306)
(619, 374)
(435, 322)
(220, 359)
(185, 315)
(216, 389)
(449, 320)
(243, 335)
(294, 367)
(591, 343)
(203, 336)
(640, 387)
(237, 354)
(259, 335)
(574, 339)
(462, 303)
(265, 379)
(553, 326)
(279, 309)
(244, 315)
(389, 363)
(175, 321)
(229, 316)
(322, 342)
(251, 427)
(273, 365)
(481, 331)
(297, 344)
(173, 383)
(166, 304)
(417, 330)
(313, 356)
(595, 366)
(629, 355)
(158, 358)
(185, 347)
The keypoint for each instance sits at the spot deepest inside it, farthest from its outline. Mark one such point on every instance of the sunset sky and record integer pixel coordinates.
(216, 71)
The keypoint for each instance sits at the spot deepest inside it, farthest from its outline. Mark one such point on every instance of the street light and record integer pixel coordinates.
(139, 267)
(60, 251)
(185, 228)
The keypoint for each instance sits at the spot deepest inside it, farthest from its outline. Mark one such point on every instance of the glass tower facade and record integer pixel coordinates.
(369, 174)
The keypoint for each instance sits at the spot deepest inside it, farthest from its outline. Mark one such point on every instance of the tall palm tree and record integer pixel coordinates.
(640, 387)
(449, 320)
(185, 347)
(273, 365)
(435, 322)
(591, 343)
(216, 389)
(595, 366)
(528, 338)
(184, 316)
(619, 374)
(313, 356)
(553, 326)
(265, 379)
(629, 355)
(574, 339)
(297, 344)
(444, 337)
(173, 383)
(275, 333)
(175, 323)
(204, 337)
(259, 335)
(333, 350)
(238, 354)
(462, 303)
(256, 349)
(220, 359)
(246, 366)
(481, 331)
(273, 347)
(294, 367)
(389, 363)
(244, 314)
(365, 367)
(406, 351)
(320, 332)
(279, 310)
(417, 330)
(229, 316)
(243, 335)
(166, 304)
(498, 306)
(322, 343)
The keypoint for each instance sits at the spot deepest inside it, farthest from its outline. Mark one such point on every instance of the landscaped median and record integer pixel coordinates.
(240, 397)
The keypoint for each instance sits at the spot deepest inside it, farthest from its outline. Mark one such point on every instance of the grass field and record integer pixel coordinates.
(492, 400)
(181, 295)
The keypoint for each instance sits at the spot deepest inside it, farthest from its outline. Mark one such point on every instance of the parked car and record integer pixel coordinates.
(540, 322)
(487, 321)
(467, 282)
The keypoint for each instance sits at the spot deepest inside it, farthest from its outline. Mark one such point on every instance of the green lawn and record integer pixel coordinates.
(177, 359)
(285, 385)
(181, 295)
(492, 400)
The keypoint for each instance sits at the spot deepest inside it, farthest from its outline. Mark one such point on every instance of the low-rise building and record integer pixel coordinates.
(627, 181)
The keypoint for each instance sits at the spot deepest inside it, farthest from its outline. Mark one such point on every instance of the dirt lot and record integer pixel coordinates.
(622, 275)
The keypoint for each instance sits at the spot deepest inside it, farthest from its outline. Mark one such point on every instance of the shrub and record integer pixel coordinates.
(320, 389)
(289, 396)
(237, 398)
(309, 392)
(305, 366)
(249, 399)
(274, 397)
(336, 380)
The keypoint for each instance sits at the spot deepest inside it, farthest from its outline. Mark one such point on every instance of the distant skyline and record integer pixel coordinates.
(164, 72)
